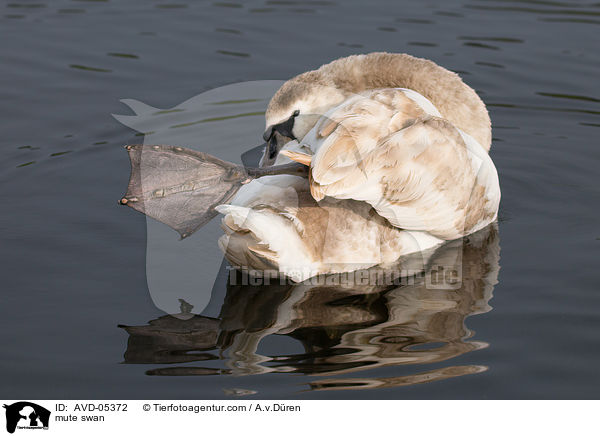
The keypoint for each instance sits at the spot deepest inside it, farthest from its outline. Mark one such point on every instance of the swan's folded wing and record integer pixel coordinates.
(343, 137)
(424, 177)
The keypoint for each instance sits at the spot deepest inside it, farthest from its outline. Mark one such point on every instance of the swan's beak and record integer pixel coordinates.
(302, 158)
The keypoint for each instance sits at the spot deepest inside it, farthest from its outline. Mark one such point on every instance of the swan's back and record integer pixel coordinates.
(456, 101)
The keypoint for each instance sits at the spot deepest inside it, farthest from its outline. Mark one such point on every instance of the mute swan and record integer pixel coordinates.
(397, 150)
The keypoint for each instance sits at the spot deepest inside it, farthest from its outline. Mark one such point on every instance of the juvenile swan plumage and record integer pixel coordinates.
(397, 150)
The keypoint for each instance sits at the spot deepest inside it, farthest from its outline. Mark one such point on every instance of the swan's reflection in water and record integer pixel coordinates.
(344, 329)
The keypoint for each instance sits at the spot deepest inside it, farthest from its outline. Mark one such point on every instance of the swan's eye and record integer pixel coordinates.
(296, 113)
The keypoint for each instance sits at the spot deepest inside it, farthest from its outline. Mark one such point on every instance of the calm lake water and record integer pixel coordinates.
(524, 324)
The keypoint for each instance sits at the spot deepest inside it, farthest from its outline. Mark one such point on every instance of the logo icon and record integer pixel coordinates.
(26, 415)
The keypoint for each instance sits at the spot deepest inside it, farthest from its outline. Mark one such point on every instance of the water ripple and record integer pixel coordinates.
(570, 20)
(234, 53)
(26, 5)
(533, 10)
(171, 6)
(228, 5)
(481, 45)
(569, 96)
(491, 38)
(123, 55)
(208, 120)
(489, 64)
(87, 68)
(543, 108)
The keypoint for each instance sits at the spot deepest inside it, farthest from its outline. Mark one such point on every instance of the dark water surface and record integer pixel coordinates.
(524, 324)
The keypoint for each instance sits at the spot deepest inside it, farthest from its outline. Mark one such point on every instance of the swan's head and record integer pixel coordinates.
(295, 109)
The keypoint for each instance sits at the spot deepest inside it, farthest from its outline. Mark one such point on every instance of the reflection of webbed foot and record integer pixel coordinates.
(172, 340)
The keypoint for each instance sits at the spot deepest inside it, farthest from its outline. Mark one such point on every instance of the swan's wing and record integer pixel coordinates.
(428, 177)
(344, 136)
(179, 187)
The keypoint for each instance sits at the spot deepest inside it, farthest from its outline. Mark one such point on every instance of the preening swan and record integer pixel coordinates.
(397, 149)
(391, 158)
